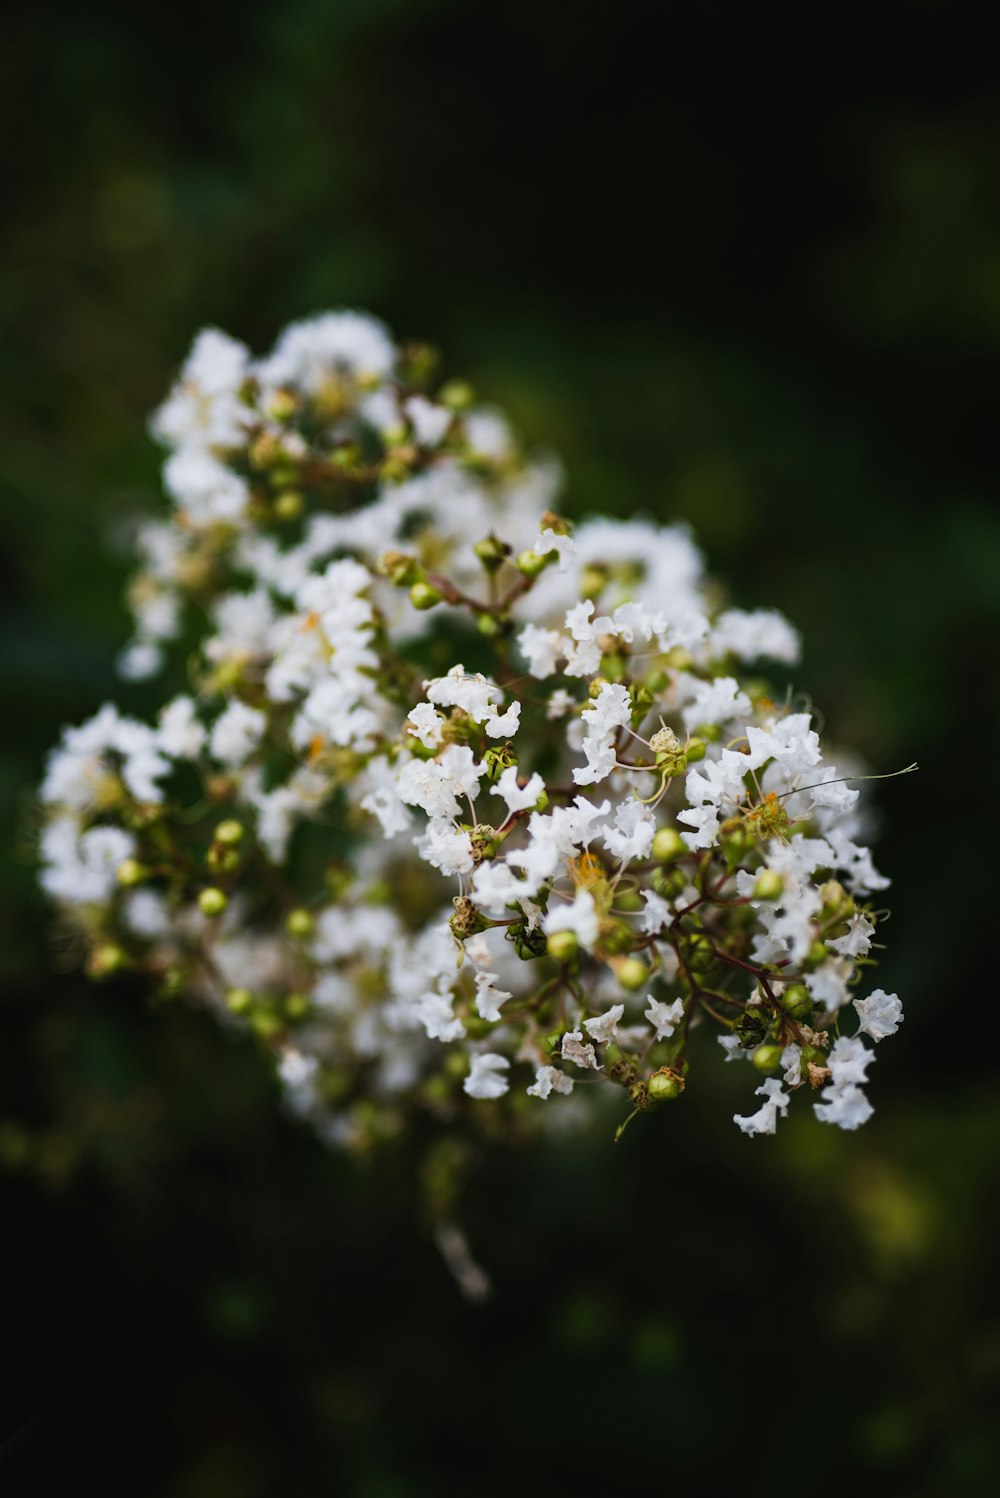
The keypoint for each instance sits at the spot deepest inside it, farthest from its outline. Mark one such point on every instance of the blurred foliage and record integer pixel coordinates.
(748, 275)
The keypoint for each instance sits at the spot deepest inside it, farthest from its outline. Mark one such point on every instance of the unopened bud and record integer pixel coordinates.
(212, 901)
(664, 1085)
(767, 1057)
(631, 973)
(797, 1001)
(769, 886)
(668, 845)
(130, 873)
(229, 833)
(299, 923)
(492, 552)
(562, 946)
(289, 505)
(424, 596)
(239, 1000)
(531, 563)
(106, 960)
(457, 395)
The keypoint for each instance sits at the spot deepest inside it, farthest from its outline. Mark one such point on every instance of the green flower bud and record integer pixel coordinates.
(424, 596)
(212, 901)
(289, 505)
(593, 581)
(818, 953)
(665, 1085)
(106, 960)
(631, 973)
(266, 1024)
(130, 873)
(531, 563)
(283, 405)
(492, 552)
(769, 886)
(796, 1001)
(299, 923)
(668, 845)
(229, 833)
(710, 732)
(490, 627)
(695, 750)
(562, 946)
(698, 953)
(767, 1057)
(239, 1001)
(457, 395)
(669, 883)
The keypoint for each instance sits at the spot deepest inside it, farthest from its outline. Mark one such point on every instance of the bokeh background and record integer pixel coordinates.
(741, 266)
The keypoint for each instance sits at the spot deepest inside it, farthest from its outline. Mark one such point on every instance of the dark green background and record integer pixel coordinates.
(743, 269)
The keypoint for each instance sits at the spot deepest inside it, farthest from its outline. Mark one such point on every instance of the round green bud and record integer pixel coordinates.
(665, 1085)
(229, 833)
(769, 886)
(289, 505)
(299, 923)
(107, 959)
(593, 581)
(266, 1024)
(531, 563)
(668, 845)
(283, 405)
(492, 552)
(130, 873)
(239, 1001)
(711, 732)
(695, 750)
(767, 1057)
(424, 595)
(212, 901)
(457, 395)
(699, 954)
(818, 953)
(631, 973)
(489, 626)
(297, 1006)
(796, 1001)
(669, 883)
(562, 946)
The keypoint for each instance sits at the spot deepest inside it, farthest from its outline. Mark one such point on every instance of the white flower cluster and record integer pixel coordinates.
(461, 802)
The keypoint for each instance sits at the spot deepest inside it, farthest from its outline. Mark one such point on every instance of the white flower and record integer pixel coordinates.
(710, 702)
(611, 710)
(765, 1120)
(541, 648)
(549, 1079)
(665, 1018)
(489, 997)
(486, 1079)
(518, 797)
(446, 847)
(881, 1014)
(236, 734)
(181, 735)
(858, 938)
(603, 1026)
(575, 1049)
(581, 918)
(427, 725)
(550, 540)
(632, 835)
